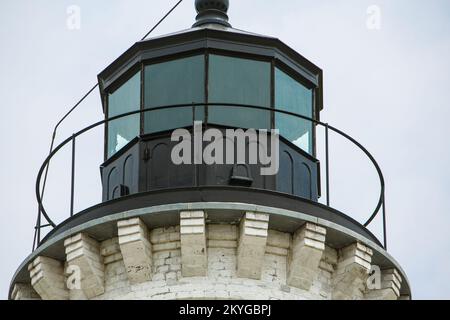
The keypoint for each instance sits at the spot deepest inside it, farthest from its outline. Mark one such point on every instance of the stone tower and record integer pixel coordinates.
(201, 229)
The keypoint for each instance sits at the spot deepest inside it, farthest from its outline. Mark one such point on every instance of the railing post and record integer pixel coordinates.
(72, 187)
(36, 228)
(384, 224)
(38, 224)
(327, 165)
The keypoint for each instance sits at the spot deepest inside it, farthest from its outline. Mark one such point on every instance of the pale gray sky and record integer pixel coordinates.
(389, 88)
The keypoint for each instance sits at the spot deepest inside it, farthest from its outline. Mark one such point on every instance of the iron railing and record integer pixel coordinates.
(42, 213)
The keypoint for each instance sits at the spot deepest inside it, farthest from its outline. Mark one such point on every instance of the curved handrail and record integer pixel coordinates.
(46, 162)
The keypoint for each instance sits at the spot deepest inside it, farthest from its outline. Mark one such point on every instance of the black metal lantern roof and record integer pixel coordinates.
(213, 37)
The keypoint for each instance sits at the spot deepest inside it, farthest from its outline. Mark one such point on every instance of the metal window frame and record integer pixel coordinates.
(105, 99)
(307, 84)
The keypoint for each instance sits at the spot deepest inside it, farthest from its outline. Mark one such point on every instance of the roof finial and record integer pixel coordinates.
(212, 11)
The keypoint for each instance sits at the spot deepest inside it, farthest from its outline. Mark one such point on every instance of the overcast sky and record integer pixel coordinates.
(389, 87)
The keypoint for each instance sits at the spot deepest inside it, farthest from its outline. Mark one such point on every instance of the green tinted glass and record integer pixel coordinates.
(125, 99)
(174, 82)
(241, 81)
(292, 96)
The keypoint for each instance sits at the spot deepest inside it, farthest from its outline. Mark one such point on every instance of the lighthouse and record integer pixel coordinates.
(212, 183)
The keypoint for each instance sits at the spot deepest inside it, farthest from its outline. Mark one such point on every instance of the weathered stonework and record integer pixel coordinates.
(193, 244)
(350, 276)
(252, 245)
(274, 267)
(222, 245)
(47, 278)
(166, 253)
(307, 249)
(116, 277)
(322, 284)
(24, 291)
(136, 249)
(83, 256)
(391, 283)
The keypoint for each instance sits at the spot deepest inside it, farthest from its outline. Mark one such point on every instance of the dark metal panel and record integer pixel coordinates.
(285, 178)
(299, 172)
(152, 169)
(121, 171)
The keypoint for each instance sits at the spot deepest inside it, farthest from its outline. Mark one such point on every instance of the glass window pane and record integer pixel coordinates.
(174, 82)
(292, 96)
(125, 99)
(241, 81)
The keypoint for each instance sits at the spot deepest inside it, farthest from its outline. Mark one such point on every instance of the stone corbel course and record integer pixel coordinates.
(191, 259)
